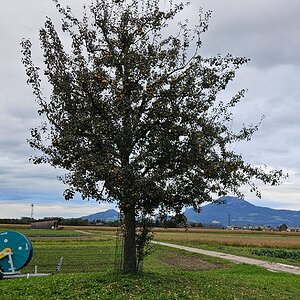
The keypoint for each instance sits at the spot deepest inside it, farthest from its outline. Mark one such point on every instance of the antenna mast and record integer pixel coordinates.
(31, 215)
(229, 219)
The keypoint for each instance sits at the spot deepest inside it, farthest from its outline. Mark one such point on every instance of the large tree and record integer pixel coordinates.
(134, 114)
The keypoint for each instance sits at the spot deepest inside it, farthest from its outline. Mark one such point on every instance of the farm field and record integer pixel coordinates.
(88, 271)
(244, 243)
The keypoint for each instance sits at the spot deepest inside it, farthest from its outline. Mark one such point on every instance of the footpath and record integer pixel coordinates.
(271, 266)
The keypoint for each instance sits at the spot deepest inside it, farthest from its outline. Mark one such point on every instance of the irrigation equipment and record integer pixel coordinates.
(15, 253)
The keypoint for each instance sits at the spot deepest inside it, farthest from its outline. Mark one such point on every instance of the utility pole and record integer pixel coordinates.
(31, 215)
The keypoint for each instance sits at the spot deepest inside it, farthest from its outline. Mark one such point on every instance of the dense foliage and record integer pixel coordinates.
(134, 114)
(23, 220)
(279, 253)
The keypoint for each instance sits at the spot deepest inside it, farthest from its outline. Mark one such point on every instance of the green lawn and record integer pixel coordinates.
(88, 273)
(235, 282)
(80, 255)
(45, 232)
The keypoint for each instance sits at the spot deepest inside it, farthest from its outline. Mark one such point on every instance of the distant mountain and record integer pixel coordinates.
(240, 212)
(108, 215)
(235, 212)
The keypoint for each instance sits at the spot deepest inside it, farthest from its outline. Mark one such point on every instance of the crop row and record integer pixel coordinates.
(288, 242)
(279, 253)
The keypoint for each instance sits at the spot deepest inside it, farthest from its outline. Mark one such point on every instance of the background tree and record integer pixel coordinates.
(283, 227)
(134, 114)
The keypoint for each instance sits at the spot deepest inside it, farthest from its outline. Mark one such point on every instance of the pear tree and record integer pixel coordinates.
(134, 113)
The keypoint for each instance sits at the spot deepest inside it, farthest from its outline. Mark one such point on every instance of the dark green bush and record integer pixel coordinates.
(287, 254)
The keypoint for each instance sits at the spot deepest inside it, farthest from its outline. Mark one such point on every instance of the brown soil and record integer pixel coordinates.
(187, 262)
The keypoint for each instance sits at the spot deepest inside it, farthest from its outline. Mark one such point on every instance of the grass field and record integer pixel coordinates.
(88, 271)
(289, 240)
(235, 242)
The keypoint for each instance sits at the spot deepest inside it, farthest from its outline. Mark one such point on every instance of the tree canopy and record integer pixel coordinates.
(134, 114)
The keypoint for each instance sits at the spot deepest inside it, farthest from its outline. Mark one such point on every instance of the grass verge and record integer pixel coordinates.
(237, 282)
(88, 273)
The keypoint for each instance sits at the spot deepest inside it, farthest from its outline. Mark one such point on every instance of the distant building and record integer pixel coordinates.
(45, 224)
(252, 228)
(215, 222)
(293, 229)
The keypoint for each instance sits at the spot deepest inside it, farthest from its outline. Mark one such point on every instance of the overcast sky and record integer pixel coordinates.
(267, 32)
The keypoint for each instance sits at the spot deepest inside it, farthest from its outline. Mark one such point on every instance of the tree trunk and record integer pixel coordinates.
(129, 262)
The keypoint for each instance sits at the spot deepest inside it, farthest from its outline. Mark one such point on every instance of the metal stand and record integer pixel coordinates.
(59, 265)
(13, 271)
(17, 274)
(11, 263)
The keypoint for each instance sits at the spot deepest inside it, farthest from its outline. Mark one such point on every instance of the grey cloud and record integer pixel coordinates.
(265, 31)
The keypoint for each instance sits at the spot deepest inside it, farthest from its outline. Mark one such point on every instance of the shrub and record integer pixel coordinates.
(279, 253)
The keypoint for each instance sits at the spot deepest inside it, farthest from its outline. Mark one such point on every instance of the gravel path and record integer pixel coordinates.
(271, 266)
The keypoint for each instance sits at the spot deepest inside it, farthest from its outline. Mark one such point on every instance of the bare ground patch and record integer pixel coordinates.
(187, 262)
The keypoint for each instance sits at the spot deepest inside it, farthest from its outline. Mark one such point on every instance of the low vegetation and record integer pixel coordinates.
(35, 233)
(88, 272)
(244, 243)
(237, 282)
(80, 255)
(231, 238)
(278, 253)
